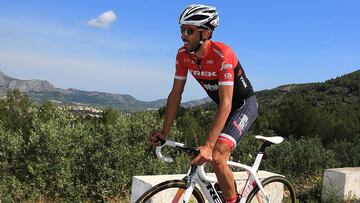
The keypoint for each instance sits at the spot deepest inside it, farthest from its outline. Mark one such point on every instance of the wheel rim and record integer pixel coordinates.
(278, 191)
(170, 192)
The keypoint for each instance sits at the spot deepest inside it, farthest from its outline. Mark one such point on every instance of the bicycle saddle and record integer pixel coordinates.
(273, 140)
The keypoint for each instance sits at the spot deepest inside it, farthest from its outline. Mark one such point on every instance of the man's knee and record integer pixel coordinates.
(220, 154)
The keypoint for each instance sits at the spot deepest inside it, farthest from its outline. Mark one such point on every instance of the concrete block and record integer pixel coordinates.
(141, 184)
(341, 184)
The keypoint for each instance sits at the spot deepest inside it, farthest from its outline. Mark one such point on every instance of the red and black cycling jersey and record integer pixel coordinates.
(219, 66)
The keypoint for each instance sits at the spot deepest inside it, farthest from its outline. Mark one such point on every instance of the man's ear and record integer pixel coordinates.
(206, 34)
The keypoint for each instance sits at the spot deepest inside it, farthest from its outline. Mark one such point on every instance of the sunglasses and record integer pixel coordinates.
(187, 31)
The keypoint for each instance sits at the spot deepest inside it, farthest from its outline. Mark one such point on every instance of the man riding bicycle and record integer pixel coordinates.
(215, 66)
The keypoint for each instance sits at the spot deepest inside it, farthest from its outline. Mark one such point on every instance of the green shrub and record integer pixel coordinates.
(347, 152)
(303, 161)
(49, 154)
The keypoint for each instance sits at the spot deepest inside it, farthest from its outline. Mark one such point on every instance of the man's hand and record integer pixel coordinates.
(204, 156)
(154, 138)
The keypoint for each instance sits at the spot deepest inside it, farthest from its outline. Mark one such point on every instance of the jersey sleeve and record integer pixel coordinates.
(226, 73)
(181, 70)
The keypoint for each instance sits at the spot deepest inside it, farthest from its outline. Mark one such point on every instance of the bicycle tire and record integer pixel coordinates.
(171, 184)
(284, 191)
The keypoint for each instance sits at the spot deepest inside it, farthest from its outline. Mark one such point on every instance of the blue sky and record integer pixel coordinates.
(131, 48)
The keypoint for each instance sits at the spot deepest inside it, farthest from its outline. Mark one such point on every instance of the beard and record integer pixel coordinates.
(190, 47)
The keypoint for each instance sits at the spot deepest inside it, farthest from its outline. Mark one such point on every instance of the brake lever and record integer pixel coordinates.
(152, 148)
(193, 152)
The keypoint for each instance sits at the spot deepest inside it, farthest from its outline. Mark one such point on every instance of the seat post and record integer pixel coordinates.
(260, 155)
(264, 146)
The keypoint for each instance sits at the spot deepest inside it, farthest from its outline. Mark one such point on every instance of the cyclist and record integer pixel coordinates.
(215, 66)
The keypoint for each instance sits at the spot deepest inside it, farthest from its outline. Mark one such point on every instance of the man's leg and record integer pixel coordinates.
(221, 154)
(234, 130)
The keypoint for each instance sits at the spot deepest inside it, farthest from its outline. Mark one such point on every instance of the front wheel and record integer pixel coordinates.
(170, 192)
(278, 189)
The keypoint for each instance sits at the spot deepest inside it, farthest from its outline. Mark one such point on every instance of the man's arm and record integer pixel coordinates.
(172, 105)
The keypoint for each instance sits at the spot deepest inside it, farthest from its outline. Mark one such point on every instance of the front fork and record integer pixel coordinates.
(188, 192)
(189, 184)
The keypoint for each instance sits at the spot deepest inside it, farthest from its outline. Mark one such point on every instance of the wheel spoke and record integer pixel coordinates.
(278, 190)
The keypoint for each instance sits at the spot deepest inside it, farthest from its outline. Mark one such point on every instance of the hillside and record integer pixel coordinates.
(41, 90)
(9, 83)
(344, 88)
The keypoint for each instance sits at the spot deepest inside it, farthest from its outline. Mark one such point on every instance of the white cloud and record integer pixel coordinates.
(104, 20)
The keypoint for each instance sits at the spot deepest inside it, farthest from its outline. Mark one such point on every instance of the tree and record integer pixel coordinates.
(109, 116)
(16, 112)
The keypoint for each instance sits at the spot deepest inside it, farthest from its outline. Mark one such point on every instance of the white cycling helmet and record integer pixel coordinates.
(200, 15)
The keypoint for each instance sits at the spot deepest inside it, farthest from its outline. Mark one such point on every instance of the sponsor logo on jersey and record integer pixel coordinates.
(225, 66)
(243, 81)
(203, 73)
(209, 87)
(227, 75)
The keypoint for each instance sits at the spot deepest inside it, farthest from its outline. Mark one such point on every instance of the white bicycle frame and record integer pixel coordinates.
(206, 182)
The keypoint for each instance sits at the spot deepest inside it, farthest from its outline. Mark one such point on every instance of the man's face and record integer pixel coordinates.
(191, 36)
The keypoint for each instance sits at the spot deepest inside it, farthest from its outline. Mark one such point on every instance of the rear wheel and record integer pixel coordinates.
(278, 189)
(170, 191)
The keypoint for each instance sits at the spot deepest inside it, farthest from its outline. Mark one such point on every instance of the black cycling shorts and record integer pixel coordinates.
(239, 122)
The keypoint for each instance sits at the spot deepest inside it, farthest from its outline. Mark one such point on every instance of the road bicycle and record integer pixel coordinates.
(197, 186)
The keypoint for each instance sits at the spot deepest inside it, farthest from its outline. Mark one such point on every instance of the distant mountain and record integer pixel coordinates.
(42, 90)
(9, 83)
(196, 102)
(345, 88)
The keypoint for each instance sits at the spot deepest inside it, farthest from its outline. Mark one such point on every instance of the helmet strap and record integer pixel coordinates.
(201, 42)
